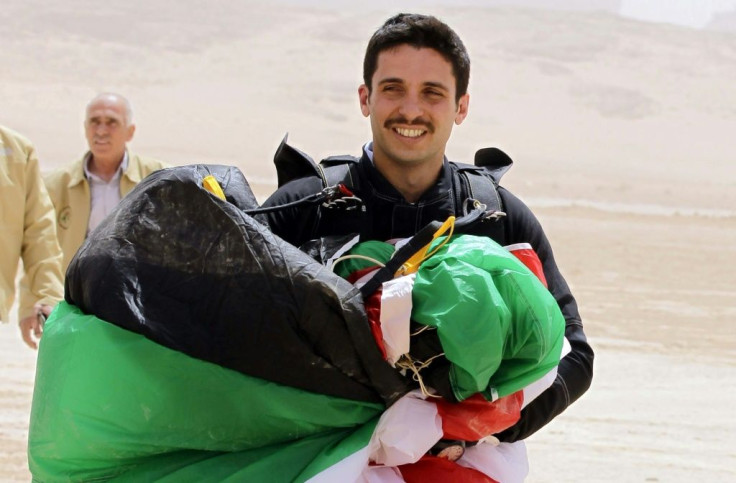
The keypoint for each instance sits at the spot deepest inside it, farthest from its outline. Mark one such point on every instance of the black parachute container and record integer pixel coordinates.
(196, 274)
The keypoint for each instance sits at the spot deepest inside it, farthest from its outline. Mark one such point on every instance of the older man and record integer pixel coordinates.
(86, 191)
(27, 231)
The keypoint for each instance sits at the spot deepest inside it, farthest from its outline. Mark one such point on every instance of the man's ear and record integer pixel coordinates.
(462, 108)
(363, 95)
(131, 131)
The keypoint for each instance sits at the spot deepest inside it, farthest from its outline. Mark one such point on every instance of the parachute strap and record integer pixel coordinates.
(419, 243)
(210, 184)
(412, 264)
(481, 188)
(476, 189)
(336, 170)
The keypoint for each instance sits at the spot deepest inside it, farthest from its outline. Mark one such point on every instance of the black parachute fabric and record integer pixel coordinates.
(198, 275)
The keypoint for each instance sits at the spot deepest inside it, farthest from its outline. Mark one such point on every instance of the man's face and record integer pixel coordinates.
(412, 107)
(107, 130)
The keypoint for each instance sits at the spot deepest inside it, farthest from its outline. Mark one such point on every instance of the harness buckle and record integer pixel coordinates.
(494, 215)
(341, 198)
(471, 204)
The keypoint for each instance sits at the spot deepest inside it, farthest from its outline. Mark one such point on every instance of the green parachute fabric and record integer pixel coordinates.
(497, 323)
(111, 403)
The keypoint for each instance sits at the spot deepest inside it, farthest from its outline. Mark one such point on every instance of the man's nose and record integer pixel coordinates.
(411, 107)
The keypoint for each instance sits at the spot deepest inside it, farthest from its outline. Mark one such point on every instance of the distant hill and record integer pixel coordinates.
(723, 22)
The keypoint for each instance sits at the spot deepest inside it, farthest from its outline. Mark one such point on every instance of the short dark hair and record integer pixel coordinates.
(420, 31)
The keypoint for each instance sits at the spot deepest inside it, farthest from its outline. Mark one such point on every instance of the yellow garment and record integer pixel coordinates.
(27, 229)
(69, 191)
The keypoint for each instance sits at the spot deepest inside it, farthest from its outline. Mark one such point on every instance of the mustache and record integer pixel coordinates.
(404, 121)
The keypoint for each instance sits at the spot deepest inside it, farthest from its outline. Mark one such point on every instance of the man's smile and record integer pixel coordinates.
(412, 130)
(409, 133)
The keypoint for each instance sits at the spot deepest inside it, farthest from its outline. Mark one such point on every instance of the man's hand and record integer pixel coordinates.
(32, 326)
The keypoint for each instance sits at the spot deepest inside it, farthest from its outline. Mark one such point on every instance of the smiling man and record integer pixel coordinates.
(411, 115)
(86, 191)
(415, 72)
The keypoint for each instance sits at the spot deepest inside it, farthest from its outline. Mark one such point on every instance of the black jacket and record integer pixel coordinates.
(388, 215)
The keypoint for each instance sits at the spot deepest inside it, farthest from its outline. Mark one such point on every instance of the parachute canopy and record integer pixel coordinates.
(195, 344)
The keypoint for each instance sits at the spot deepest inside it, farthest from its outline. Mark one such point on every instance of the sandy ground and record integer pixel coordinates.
(622, 137)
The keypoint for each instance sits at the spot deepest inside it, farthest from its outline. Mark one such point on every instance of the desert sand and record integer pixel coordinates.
(622, 136)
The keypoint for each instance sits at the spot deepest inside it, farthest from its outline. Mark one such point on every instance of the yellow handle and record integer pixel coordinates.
(211, 185)
(412, 265)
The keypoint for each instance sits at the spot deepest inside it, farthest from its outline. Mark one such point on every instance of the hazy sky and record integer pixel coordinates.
(690, 13)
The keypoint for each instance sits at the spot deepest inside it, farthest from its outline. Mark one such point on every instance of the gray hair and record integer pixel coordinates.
(115, 97)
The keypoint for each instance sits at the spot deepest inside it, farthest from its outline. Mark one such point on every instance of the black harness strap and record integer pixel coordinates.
(480, 187)
(338, 170)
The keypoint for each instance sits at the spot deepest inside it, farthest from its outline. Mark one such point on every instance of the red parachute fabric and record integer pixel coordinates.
(475, 418)
(431, 469)
(372, 308)
(526, 254)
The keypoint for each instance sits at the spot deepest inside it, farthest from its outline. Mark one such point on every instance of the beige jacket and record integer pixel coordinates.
(69, 191)
(27, 229)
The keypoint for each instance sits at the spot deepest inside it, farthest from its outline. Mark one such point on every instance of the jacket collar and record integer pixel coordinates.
(383, 188)
(132, 172)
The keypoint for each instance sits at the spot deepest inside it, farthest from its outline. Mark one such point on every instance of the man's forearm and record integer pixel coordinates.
(574, 375)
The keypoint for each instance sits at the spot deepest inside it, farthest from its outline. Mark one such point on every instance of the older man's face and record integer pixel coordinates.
(107, 129)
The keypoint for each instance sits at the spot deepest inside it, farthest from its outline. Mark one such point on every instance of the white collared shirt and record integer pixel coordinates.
(368, 149)
(104, 196)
